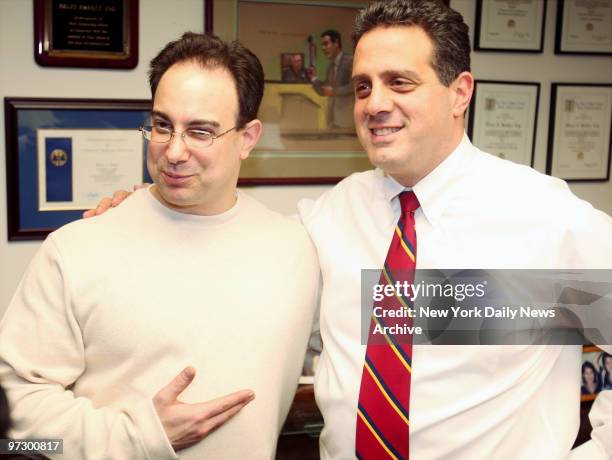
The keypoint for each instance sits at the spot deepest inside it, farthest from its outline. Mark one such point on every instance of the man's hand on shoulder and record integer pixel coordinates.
(106, 203)
(187, 424)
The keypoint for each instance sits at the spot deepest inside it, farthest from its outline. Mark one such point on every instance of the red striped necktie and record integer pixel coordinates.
(384, 395)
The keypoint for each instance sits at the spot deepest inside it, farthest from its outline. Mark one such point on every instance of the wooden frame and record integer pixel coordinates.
(108, 45)
(299, 145)
(25, 120)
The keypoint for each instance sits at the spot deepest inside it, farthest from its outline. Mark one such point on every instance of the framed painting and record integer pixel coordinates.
(307, 108)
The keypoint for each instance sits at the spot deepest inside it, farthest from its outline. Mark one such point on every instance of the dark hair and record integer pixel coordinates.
(210, 51)
(444, 26)
(334, 36)
(5, 419)
(588, 364)
(605, 375)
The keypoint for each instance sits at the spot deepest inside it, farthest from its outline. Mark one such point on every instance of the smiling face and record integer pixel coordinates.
(406, 119)
(197, 181)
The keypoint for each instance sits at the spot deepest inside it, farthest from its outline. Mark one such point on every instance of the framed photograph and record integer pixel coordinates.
(584, 27)
(596, 372)
(308, 134)
(86, 33)
(508, 25)
(579, 132)
(64, 155)
(503, 117)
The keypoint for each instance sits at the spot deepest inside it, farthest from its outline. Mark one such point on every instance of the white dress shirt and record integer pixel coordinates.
(467, 402)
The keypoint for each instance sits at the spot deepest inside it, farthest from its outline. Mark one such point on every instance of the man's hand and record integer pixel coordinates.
(187, 424)
(106, 203)
(328, 90)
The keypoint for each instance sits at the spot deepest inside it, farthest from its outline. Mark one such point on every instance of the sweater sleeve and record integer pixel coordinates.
(42, 355)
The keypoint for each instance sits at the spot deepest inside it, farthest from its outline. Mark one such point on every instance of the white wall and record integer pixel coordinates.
(162, 21)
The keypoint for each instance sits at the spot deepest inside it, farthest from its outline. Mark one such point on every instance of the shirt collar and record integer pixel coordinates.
(435, 190)
(337, 58)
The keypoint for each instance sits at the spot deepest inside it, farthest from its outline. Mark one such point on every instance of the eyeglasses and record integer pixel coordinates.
(193, 137)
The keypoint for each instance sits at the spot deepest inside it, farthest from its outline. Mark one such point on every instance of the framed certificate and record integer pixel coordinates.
(64, 155)
(579, 132)
(584, 27)
(508, 25)
(503, 117)
(308, 136)
(86, 33)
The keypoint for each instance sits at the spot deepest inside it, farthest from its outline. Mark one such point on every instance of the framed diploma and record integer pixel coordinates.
(308, 135)
(579, 132)
(584, 27)
(86, 33)
(64, 155)
(510, 25)
(503, 117)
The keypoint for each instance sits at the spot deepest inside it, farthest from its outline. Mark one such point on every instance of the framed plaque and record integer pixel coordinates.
(503, 118)
(584, 27)
(579, 132)
(64, 155)
(508, 25)
(308, 137)
(86, 33)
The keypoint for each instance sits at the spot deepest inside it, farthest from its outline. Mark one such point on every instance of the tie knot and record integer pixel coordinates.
(409, 202)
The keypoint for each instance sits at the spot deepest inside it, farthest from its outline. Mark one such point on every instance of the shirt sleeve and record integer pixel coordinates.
(600, 445)
(42, 355)
(593, 240)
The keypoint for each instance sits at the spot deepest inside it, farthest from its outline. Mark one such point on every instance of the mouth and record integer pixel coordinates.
(381, 134)
(174, 178)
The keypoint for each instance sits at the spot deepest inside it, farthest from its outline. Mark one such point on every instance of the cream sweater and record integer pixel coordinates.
(113, 307)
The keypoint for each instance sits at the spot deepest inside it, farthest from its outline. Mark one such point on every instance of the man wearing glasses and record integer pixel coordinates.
(184, 277)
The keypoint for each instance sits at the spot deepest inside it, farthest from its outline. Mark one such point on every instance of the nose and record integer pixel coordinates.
(379, 100)
(177, 151)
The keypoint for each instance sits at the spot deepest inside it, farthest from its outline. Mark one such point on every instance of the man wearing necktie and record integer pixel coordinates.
(469, 210)
(466, 210)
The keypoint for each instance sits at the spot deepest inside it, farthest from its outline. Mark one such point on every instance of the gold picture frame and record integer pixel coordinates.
(300, 144)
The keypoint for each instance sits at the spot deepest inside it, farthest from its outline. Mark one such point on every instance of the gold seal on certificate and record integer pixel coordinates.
(584, 27)
(59, 158)
(510, 25)
(502, 119)
(579, 139)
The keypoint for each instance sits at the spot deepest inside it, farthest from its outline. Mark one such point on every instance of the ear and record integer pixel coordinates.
(463, 87)
(250, 135)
